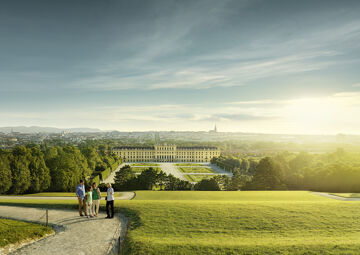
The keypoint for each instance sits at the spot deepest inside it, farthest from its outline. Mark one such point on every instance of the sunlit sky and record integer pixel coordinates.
(251, 66)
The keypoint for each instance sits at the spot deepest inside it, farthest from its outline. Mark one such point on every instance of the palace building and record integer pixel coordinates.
(166, 153)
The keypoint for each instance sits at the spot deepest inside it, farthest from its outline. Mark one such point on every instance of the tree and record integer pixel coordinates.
(244, 166)
(5, 173)
(268, 176)
(91, 156)
(206, 184)
(122, 178)
(238, 181)
(39, 172)
(21, 178)
(147, 179)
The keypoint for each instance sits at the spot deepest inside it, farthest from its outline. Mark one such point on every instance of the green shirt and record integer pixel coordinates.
(89, 197)
(95, 194)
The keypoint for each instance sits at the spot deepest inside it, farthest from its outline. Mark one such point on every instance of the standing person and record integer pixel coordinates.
(80, 193)
(89, 206)
(109, 201)
(96, 196)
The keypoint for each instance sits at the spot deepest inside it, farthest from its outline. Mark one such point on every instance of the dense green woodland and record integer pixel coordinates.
(338, 171)
(33, 168)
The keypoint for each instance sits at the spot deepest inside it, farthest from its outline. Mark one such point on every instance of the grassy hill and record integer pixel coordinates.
(244, 222)
(240, 223)
(13, 231)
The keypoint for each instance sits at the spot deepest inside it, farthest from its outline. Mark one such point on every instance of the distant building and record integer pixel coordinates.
(214, 130)
(166, 153)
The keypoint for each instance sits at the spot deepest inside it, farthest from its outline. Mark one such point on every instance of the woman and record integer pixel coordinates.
(96, 196)
(89, 213)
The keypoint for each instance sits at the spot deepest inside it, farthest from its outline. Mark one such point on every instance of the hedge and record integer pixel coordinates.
(96, 179)
(105, 173)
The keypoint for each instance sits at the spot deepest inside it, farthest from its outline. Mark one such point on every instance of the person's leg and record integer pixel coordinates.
(93, 207)
(112, 209)
(80, 206)
(97, 206)
(107, 209)
(90, 209)
(85, 208)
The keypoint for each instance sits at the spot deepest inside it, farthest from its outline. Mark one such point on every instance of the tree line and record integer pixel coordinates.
(337, 171)
(34, 168)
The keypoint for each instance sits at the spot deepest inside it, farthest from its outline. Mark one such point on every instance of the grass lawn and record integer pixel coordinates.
(187, 164)
(239, 222)
(145, 164)
(198, 177)
(196, 170)
(13, 231)
(140, 169)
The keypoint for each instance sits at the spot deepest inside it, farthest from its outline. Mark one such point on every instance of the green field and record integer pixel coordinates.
(239, 222)
(145, 164)
(195, 170)
(140, 169)
(187, 164)
(197, 177)
(13, 231)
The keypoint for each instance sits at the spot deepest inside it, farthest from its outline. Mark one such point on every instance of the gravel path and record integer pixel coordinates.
(170, 168)
(336, 197)
(123, 196)
(110, 178)
(74, 234)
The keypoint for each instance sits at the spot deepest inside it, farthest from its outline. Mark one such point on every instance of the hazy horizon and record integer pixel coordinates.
(271, 67)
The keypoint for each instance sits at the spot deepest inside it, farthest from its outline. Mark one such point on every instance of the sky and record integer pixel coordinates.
(266, 66)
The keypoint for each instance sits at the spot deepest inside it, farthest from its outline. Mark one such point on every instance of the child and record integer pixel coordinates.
(89, 202)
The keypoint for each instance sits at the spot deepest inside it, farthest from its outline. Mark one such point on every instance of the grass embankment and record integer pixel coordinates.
(196, 170)
(197, 177)
(138, 170)
(245, 222)
(13, 231)
(187, 164)
(145, 164)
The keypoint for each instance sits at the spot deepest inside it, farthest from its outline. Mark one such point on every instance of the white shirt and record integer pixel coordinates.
(110, 194)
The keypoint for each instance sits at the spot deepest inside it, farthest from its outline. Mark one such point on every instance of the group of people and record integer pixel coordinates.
(89, 200)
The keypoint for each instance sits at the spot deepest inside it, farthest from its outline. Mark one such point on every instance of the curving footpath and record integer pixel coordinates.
(336, 197)
(123, 196)
(74, 235)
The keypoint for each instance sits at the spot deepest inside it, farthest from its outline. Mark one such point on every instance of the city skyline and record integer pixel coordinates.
(248, 66)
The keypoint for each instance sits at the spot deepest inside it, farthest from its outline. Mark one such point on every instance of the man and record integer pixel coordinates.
(109, 201)
(80, 193)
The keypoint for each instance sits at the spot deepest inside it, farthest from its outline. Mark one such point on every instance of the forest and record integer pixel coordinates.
(337, 171)
(34, 168)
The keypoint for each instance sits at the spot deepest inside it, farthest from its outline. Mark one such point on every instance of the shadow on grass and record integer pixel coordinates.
(132, 215)
(355, 195)
(41, 205)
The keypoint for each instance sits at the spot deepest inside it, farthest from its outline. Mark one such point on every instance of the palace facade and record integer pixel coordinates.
(166, 153)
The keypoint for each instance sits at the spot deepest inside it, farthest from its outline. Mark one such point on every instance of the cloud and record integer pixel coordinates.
(235, 117)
